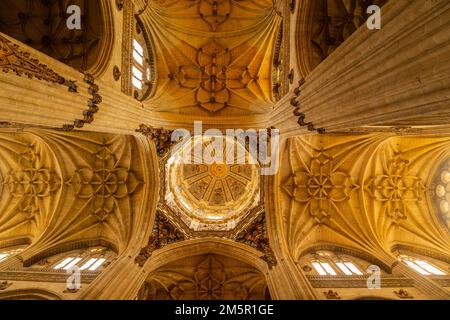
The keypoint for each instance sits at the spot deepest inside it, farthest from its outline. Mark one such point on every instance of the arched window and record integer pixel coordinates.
(8, 252)
(142, 68)
(421, 266)
(92, 259)
(326, 263)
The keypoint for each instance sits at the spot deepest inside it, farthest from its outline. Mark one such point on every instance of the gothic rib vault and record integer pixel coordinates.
(215, 56)
(87, 169)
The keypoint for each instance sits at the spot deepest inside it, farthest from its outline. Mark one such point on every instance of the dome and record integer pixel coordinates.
(212, 196)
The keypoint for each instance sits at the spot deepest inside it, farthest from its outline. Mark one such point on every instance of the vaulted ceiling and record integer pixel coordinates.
(213, 57)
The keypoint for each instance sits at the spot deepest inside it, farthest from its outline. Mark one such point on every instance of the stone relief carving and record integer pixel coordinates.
(161, 137)
(14, 59)
(163, 233)
(256, 236)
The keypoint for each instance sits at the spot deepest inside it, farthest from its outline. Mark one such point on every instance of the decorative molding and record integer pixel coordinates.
(127, 46)
(295, 102)
(279, 68)
(163, 234)
(12, 58)
(387, 281)
(88, 114)
(442, 281)
(45, 275)
(398, 130)
(161, 137)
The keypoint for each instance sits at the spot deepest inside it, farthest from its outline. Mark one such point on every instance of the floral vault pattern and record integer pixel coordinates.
(320, 186)
(104, 184)
(205, 277)
(395, 188)
(32, 182)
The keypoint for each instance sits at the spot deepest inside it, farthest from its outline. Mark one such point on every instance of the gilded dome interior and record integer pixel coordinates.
(212, 196)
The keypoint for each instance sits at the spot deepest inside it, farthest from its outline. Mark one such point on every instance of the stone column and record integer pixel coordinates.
(286, 281)
(376, 77)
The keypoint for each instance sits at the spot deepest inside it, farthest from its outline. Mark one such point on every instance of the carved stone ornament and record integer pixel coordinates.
(332, 295)
(68, 290)
(295, 102)
(119, 4)
(92, 104)
(5, 285)
(307, 268)
(12, 58)
(256, 236)
(116, 73)
(161, 137)
(403, 294)
(292, 4)
(163, 234)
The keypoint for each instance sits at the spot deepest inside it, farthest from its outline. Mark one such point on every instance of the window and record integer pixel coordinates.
(137, 71)
(421, 266)
(93, 259)
(326, 263)
(11, 252)
(142, 68)
(91, 264)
